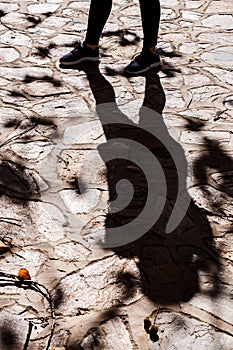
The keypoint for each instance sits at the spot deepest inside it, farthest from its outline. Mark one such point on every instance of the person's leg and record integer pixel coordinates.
(150, 15)
(149, 57)
(98, 15)
(89, 51)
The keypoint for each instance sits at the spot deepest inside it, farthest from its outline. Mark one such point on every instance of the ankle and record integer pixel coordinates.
(153, 49)
(93, 47)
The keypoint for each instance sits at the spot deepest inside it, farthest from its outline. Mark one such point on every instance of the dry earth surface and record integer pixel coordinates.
(55, 184)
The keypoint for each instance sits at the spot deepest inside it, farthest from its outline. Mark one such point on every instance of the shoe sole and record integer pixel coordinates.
(84, 59)
(145, 69)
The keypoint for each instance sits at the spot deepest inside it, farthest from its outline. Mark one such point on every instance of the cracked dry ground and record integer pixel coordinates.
(54, 193)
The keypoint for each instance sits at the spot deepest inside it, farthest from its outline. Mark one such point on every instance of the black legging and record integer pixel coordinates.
(100, 11)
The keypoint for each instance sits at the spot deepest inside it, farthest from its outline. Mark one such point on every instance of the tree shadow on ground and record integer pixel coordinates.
(55, 82)
(125, 37)
(213, 176)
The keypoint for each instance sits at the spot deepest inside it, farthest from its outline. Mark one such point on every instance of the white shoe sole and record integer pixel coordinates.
(157, 64)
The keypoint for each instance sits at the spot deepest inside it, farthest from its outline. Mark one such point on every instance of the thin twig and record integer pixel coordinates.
(18, 135)
(30, 326)
(12, 280)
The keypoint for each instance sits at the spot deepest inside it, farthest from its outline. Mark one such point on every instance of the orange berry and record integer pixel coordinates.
(24, 274)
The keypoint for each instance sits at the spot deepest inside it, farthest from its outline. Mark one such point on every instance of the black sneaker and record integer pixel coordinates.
(142, 62)
(80, 54)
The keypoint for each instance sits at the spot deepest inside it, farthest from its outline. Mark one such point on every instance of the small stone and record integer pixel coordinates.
(189, 15)
(90, 132)
(220, 306)
(202, 114)
(221, 74)
(55, 21)
(85, 165)
(50, 275)
(188, 48)
(33, 296)
(82, 203)
(189, 4)
(222, 56)
(102, 285)
(174, 99)
(33, 151)
(63, 108)
(207, 93)
(106, 337)
(111, 27)
(16, 20)
(26, 72)
(218, 21)
(8, 7)
(3, 82)
(211, 37)
(130, 22)
(196, 79)
(172, 3)
(16, 39)
(72, 251)
(44, 225)
(79, 27)
(64, 39)
(79, 5)
(8, 54)
(168, 14)
(41, 31)
(42, 8)
(40, 89)
(9, 114)
(220, 7)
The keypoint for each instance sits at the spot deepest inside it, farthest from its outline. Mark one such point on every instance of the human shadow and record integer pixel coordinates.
(169, 263)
